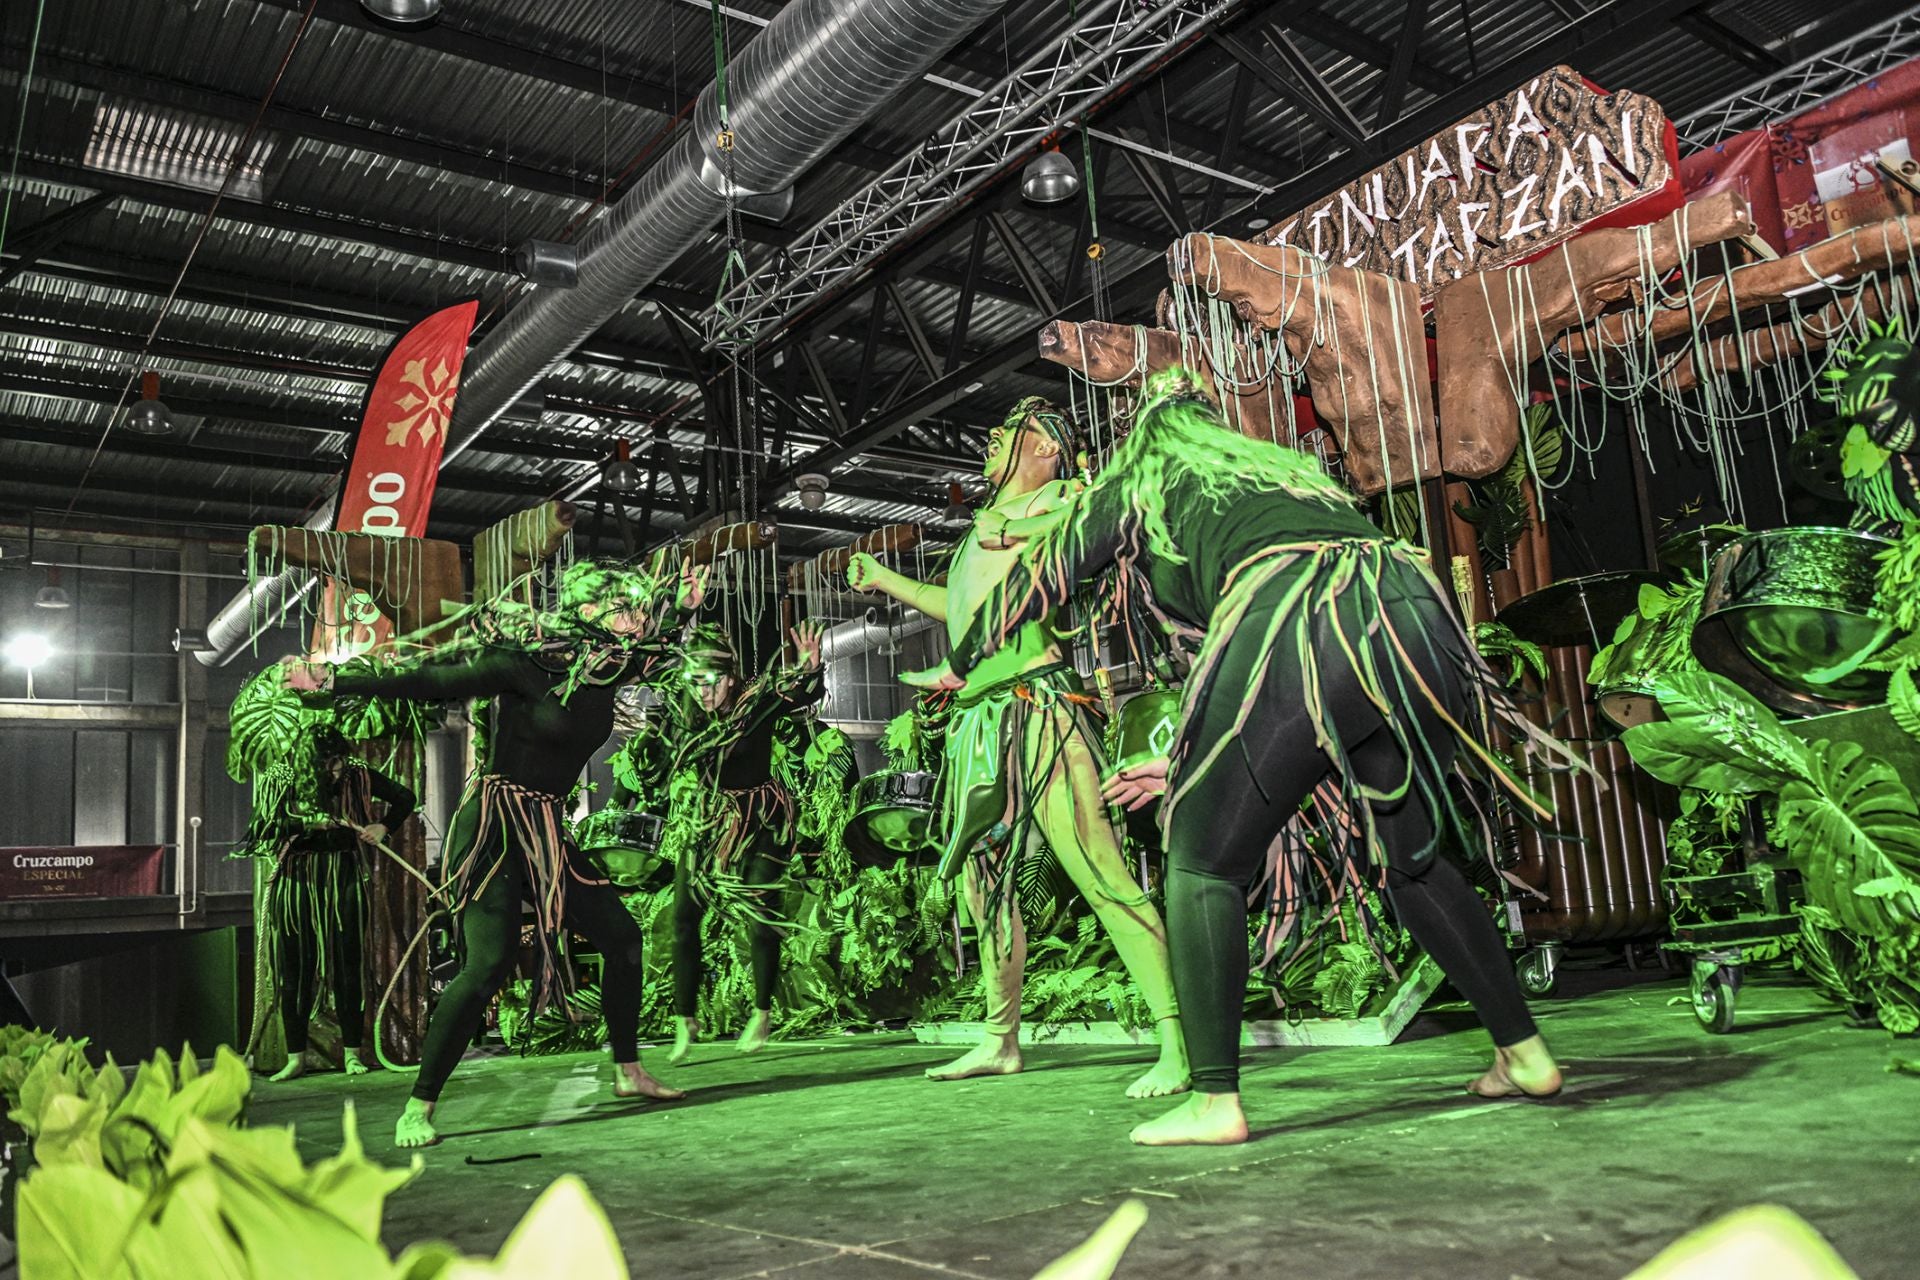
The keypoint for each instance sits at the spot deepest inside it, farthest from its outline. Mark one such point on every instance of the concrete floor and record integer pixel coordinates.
(835, 1159)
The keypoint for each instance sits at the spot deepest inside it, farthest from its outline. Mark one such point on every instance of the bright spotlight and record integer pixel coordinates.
(27, 650)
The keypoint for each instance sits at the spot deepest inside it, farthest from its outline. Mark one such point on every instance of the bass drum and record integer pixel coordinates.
(892, 817)
(1791, 614)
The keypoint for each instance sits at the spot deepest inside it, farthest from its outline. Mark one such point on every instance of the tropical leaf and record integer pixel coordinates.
(263, 724)
(1717, 707)
(1852, 823)
(1903, 702)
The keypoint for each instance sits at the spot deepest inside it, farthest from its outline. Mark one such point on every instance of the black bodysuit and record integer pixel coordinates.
(539, 744)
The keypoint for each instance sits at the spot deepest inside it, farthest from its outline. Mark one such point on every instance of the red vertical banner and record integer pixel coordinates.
(396, 459)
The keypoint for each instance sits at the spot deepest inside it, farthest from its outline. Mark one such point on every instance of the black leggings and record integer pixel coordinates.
(763, 861)
(333, 948)
(490, 944)
(1225, 824)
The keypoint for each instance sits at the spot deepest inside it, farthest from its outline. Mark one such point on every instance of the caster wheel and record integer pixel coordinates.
(1537, 974)
(1714, 998)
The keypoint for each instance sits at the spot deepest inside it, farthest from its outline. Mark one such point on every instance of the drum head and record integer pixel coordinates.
(628, 868)
(892, 817)
(1627, 707)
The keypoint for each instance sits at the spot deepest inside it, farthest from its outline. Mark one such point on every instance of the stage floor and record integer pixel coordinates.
(835, 1159)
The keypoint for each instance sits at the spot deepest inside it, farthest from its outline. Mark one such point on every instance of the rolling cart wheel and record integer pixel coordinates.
(1714, 997)
(1537, 973)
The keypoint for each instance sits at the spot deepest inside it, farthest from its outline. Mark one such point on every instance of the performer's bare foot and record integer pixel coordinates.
(1169, 1075)
(994, 1056)
(753, 1036)
(1203, 1120)
(295, 1068)
(630, 1080)
(352, 1063)
(685, 1031)
(415, 1128)
(1523, 1070)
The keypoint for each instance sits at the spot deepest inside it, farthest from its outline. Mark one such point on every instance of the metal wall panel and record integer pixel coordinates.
(36, 786)
(150, 783)
(100, 786)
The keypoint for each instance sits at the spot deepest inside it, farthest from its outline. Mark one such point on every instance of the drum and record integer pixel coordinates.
(1789, 616)
(624, 844)
(892, 816)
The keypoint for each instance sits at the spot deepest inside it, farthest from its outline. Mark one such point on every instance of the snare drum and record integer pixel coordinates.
(1791, 614)
(624, 844)
(1626, 674)
(892, 816)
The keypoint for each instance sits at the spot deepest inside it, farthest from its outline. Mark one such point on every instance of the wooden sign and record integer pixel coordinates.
(1514, 178)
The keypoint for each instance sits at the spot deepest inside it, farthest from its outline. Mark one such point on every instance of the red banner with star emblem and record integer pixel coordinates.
(396, 459)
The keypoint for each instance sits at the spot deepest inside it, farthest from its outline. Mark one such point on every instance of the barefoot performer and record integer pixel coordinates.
(1023, 760)
(733, 824)
(316, 814)
(552, 690)
(1329, 655)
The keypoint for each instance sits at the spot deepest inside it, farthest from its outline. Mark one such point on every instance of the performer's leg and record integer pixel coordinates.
(595, 912)
(1430, 896)
(1002, 936)
(348, 961)
(297, 962)
(766, 862)
(1073, 818)
(687, 968)
(490, 937)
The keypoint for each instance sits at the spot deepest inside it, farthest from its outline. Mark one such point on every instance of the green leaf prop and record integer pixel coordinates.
(73, 1223)
(565, 1236)
(263, 724)
(1903, 702)
(1853, 824)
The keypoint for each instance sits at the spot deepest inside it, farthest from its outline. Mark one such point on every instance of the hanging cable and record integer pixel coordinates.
(20, 122)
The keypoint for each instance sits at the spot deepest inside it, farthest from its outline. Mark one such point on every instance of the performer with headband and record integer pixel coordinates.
(552, 688)
(316, 813)
(1023, 760)
(732, 827)
(1329, 655)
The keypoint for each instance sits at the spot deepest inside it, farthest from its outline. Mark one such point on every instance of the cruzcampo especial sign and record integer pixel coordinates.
(1498, 187)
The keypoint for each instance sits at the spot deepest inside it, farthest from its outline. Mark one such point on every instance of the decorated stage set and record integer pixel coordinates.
(1651, 416)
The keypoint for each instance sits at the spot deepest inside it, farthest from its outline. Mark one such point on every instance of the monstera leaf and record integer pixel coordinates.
(263, 724)
(1854, 832)
(1715, 722)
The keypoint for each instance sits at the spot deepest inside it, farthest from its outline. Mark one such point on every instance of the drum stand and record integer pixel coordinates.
(1761, 898)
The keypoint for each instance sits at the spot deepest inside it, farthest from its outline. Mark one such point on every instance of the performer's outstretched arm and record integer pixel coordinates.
(487, 674)
(864, 573)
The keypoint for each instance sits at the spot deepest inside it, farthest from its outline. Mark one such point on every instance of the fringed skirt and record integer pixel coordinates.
(512, 821)
(318, 895)
(711, 833)
(1347, 615)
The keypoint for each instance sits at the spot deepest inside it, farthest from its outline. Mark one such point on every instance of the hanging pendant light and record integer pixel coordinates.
(1049, 178)
(53, 595)
(147, 416)
(402, 13)
(619, 474)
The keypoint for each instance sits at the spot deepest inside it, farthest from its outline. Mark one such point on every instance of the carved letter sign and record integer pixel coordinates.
(1512, 179)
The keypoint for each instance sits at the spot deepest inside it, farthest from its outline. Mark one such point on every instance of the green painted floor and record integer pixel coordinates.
(836, 1159)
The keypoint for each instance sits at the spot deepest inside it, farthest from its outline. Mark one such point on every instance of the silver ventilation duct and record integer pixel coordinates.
(872, 630)
(817, 72)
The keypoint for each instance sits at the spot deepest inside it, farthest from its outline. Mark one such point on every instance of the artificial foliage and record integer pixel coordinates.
(1502, 508)
(1846, 820)
(1500, 646)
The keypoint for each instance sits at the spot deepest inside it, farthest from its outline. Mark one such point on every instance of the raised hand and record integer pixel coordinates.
(863, 572)
(940, 677)
(1137, 786)
(807, 638)
(693, 585)
(306, 677)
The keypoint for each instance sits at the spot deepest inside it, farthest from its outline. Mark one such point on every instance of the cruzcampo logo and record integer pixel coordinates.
(426, 405)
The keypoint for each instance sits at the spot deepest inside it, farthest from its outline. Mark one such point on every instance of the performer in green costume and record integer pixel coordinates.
(1023, 762)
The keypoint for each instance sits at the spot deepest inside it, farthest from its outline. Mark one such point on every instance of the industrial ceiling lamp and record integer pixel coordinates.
(147, 416)
(53, 595)
(619, 474)
(1050, 178)
(813, 490)
(958, 512)
(402, 13)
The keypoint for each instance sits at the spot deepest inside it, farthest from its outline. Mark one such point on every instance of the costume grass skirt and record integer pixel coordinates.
(1328, 608)
(710, 832)
(318, 893)
(517, 821)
